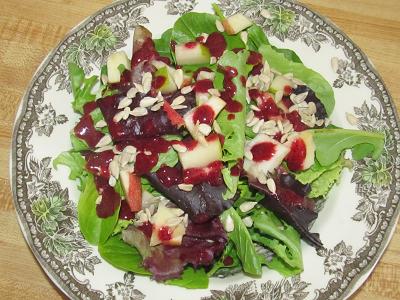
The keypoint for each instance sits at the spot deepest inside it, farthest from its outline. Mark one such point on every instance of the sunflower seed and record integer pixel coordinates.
(253, 122)
(271, 185)
(265, 13)
(158, 64)
(186, 90)
(312, 108)
(248, 96)
(287, 127)
(248, 221)
(271, 132)
(185, 220)
(125, 102)
(213, 60)
(248, 154)
(352, 119)
(278, 96)
(112, 181)
(139, 87)
(264, 78)
(159, 97)
(249, 116)
(319, 122)
(178, 77)
(147, 101)
(157, 106)
(130, 149)
(335, 64)
(247, 206)
(244, 36)
(205, 75)
(148, 213)
(146, 82)
(185, 187)
(298, 98)
(147, 152)
(205, 129)
(284, 138)
(98, 199)
(118, 116)
(214, 92)
(269, 124)
(177, 107)
(139, 111)
(262, 178)
(114, 167)
(132, 92)
(219, 26)
(249, 81)
(178, 100)
(217, 129)
(255, 108)
(256, 128)
(293, 108)
(104, 141)
(279, 124)
(105, 148)
(126, 113)
(228, 224)
(125, 158)
(179, 148)
(100, 124)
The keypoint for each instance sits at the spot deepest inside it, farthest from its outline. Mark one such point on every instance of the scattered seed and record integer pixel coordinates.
(249, 116)
(219, 26)
(205, 129)
(278, 96)
(178, 100)
(114, 167)
(146, 82)
(271, 132)
(279, 124)
(352, 119)
(186, 90)
(105, 140)
(249, 81)
(287, 127)
(132, 92)
(264, 78)
(118, 116)
(253, 122)
(185, 187)
(130, 149)
(159, 97)
(177, 107)
(213, 60)
(157, 106)
(312, 108)
(179, 148)
(284, 138)
(248, 221)
(185, 220)
(105, 148)
(126, 113)
(247, 206)
(139, 111)
(256, 128)
(217, 128)
(271, 185)
(125, 102)
(158, 64)
(100, 124)
(298, 98)
(244, 36)
(112, 181)
(178, 77)
(205, 75)
(228, 224)
(262, 178)
(269, 124)
(147, 102)
(254, 107)
(139, 87)
(147, 152)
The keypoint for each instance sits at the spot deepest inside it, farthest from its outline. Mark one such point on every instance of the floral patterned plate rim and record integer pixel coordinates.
(365, 201)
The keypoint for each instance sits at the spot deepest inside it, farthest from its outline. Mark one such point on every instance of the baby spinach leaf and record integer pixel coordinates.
(191, 279)
(314, 80)
(163, 44)
(330, 143)
(81, 87)
(169, 158)
(95, 230)
(122, 256)
(243, 244)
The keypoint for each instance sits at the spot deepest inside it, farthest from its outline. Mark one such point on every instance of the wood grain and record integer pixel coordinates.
(29, 29)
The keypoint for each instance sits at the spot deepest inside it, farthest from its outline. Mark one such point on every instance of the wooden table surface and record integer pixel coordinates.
(29, 29)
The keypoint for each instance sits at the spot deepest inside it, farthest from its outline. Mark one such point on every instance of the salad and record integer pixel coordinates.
(205, 153)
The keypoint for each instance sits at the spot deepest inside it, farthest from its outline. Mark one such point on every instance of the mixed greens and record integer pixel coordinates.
(203, 154)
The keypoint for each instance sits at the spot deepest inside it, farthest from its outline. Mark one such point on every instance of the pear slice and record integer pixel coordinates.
(169, 85)
(236, 23)
(192, 53)
(113, 62)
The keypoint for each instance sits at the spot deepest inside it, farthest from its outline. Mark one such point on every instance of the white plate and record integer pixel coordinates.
(355, 223)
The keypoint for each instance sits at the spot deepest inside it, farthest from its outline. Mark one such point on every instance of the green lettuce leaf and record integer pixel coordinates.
(279, 237)
(122, 256)
(95, 230)
(81, 87)
(73, 160)
(257, 38)
(163, 44)
(77, 143)
(219, 267)
(121, 225)
(191, 279)
(243, 244)
(314, 80)
(330, 143)
(169, 158)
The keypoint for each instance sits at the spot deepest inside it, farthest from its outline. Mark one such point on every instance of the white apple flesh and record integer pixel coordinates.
(236, 23)
(192, 53)
(279, 83)
(308, 143)
(113, 62)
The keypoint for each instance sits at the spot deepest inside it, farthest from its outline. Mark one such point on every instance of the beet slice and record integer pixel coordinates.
(294, 208)
(202, 203)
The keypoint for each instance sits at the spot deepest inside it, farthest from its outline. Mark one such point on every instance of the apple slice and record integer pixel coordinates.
(163, 233)
(236, 23)
(302, 151)
(199, 155)
(263, 155)
(113, 62)
(192, 53)
(168, 85)
(279, 83)
(133, 190)
(140, 35)
(203, 114)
